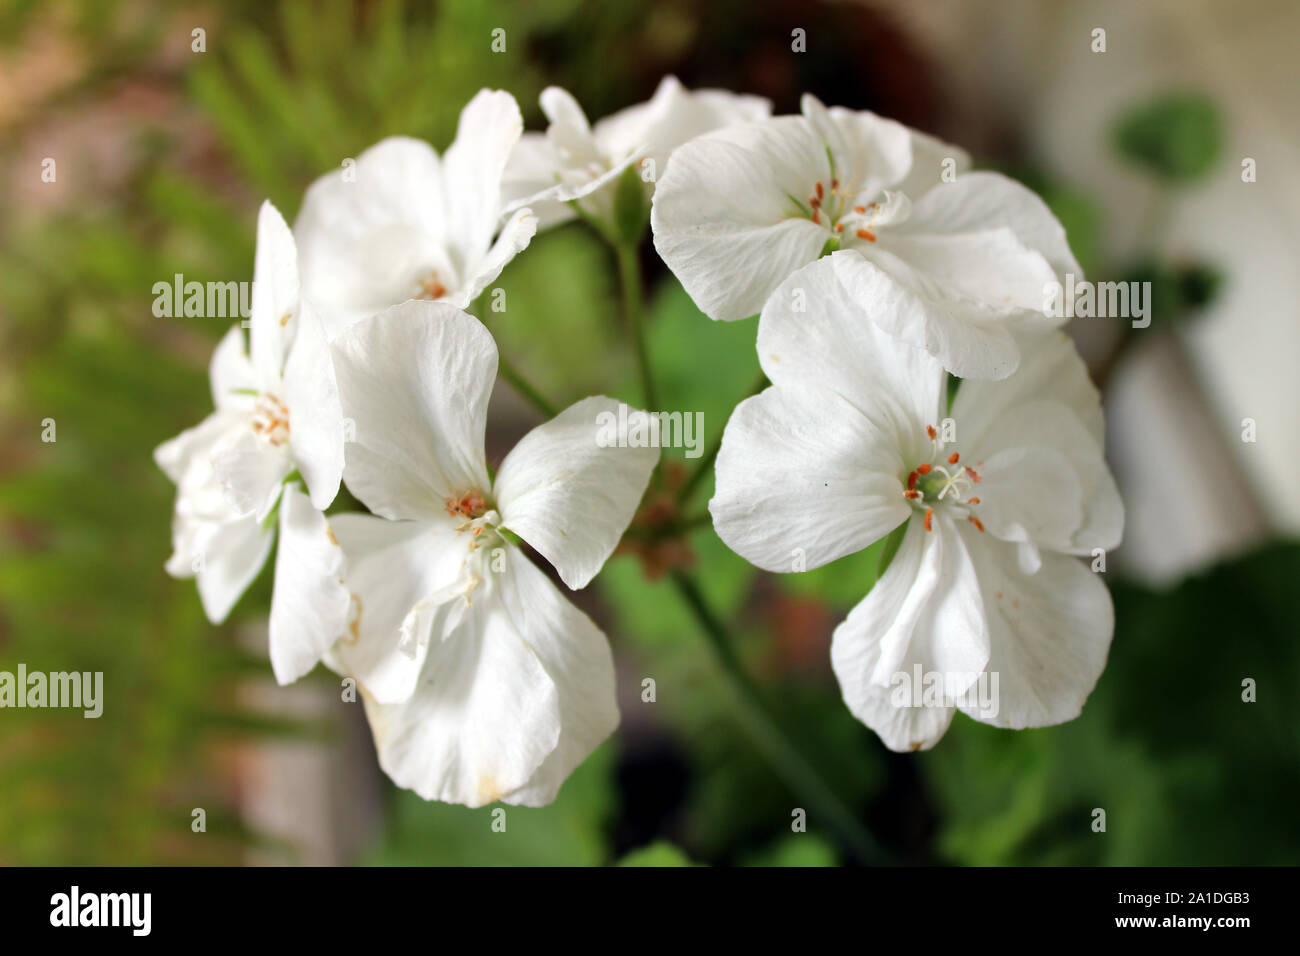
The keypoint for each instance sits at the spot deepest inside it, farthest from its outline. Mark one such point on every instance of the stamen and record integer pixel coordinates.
(817, 216)
(929, 430)
(911, 480)
(952, 459)
(860, 209)
(929, 513)
(976, 522)
(973, 475)
(431, 287)
(913, 494)
(925, 469)
(974, 501)
(819, 190)
(867, 235)
(470, 505)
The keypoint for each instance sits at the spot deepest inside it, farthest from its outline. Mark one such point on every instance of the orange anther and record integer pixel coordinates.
(974, 501)
(859, 209)
(819, 190)
(929, 513)
(929, 430)
(911, 480)
(976, 522)
(924, 469)
(867, 235)
(952, 459)
(974, 476)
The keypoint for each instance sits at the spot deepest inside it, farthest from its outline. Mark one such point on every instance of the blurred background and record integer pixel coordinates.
(163, 154)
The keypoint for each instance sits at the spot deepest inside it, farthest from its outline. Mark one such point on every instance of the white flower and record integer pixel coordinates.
(406, 224)
(847, 445)
(574, 160)
(481, 681)
(742, 208)
(274, 415)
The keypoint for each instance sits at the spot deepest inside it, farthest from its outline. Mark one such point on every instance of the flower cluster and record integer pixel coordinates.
(878, 265)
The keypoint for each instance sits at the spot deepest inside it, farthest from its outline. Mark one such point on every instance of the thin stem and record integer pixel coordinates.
(784, 756)
(705, 464)
(525, 388)
(629, 274)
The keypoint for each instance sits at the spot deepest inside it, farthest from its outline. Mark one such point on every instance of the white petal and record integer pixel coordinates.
(724, 214)
(871, 153)
(1030, 494)
(393, 567)
(231, 374)
(803, 478)
(250, 471)
(925, 609)
(415, 382)
(309, 608)
(231, 555)
(930, 161)
(1049, 402)
(577, 659)
(967, 338)
(534, 167)
(673, 116)
(991, 267)
(569, 131)
(365, 241)
(513, 239)
(186, 459)
(490, 126)
(570, 490)
(274, 303)
(484, 717)
(982, 201)
(1049, 635)
(315, 414)
(813, 331)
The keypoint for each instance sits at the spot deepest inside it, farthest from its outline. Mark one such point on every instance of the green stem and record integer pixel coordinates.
(784, 756)
(525, 388)
(705, 464)
(629, 274)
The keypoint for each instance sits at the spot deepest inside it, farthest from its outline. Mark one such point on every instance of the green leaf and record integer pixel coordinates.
(1177, 136)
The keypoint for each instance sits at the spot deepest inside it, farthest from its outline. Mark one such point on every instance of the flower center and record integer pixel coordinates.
(848, 214)
(481, 520)
(943, 484)
(430, 286)
(271, 419)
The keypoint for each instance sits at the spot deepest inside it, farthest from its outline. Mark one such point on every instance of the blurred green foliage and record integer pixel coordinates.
(1177, 137)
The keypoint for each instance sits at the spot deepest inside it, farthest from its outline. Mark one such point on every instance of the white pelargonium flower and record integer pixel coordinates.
(480, 680)
(403, 223)
(848, 444)
(741, 209)
(277, 412)
(575, 160)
